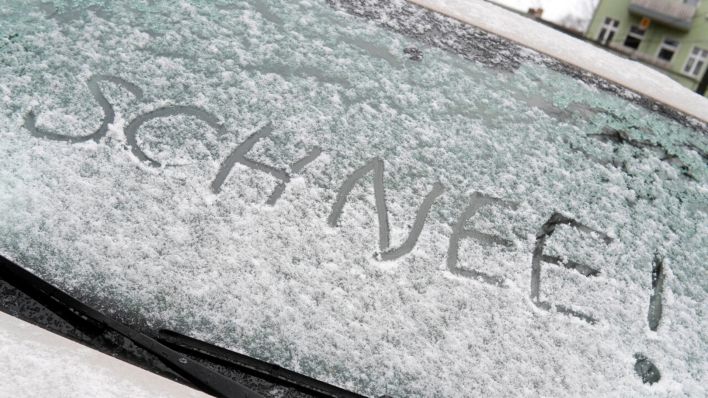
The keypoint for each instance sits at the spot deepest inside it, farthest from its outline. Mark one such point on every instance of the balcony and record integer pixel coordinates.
(673, 13)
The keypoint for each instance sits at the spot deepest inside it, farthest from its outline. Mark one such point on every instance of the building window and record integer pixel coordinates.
(667, 49)
(609, 28)
(634, 37)
(696, 61)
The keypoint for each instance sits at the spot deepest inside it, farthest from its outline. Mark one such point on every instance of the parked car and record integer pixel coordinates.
(272, 198)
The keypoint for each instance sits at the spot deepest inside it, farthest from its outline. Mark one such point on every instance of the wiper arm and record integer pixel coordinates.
(76, 313)
(252, 366)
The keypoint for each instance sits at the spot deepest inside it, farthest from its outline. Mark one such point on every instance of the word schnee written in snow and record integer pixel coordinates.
(645, 368)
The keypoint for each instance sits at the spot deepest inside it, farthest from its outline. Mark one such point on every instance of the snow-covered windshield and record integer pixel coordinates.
(361, 191)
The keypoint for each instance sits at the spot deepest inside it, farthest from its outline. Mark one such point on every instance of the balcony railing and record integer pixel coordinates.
(673, 13)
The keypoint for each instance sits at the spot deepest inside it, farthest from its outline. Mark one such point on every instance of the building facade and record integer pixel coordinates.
(669, 35)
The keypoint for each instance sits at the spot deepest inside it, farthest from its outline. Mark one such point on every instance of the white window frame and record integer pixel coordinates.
(664, 46)
(636, 36)
(691, 61)
(609, 27)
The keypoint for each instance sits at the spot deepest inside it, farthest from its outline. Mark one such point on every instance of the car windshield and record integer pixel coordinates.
(365, 192)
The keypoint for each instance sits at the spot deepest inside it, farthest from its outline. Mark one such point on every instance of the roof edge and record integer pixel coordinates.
(627, 73)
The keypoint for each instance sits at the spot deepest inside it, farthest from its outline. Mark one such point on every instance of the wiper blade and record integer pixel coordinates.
(84, 317)
(252, 366)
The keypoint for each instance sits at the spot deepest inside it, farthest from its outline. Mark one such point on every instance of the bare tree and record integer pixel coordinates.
(580, 18)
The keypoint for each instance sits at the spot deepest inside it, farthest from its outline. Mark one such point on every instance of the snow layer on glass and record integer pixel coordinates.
(131, 221)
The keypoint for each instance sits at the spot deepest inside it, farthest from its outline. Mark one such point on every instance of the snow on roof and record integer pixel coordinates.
(633, 75)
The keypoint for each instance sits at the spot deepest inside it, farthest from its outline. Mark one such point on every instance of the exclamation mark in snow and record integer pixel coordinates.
(644, 367)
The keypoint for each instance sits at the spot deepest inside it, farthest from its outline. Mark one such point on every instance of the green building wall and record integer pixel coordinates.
(653, 37)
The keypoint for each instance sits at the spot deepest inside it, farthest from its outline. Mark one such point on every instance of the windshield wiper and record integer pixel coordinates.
(93, 322)
(252, 366)
(171, 348)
